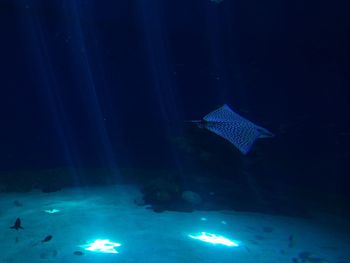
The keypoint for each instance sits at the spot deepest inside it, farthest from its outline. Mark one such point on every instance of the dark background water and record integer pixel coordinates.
(107, 85)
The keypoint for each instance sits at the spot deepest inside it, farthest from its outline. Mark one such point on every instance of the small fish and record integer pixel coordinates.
(17, 203)
(17, 224)
(47, 238)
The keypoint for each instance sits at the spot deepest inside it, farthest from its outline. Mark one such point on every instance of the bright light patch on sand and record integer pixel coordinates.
(214, 239)
(102, 246)
(52, 211)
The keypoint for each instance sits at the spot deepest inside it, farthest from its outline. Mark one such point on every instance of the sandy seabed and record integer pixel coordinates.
(78, 216)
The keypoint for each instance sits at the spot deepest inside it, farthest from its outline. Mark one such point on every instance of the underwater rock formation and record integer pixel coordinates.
(191, 198)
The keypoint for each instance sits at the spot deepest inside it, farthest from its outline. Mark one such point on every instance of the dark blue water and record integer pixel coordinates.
(106, 86)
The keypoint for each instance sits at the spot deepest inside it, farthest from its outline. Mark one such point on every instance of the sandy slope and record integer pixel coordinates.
(110, 213)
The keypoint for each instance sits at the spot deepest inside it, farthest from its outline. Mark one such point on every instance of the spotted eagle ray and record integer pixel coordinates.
(239, 131)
